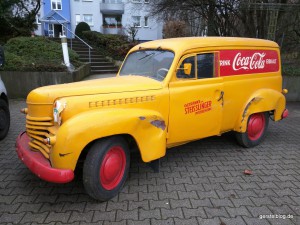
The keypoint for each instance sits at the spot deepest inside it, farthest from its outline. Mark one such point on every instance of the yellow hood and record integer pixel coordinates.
(48, 94)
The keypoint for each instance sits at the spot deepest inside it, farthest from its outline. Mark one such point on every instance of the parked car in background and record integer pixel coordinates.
(4, 109)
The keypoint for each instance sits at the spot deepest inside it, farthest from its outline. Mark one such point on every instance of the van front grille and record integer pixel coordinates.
(38, 129)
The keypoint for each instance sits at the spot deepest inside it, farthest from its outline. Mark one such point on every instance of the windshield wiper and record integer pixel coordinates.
(146, 56)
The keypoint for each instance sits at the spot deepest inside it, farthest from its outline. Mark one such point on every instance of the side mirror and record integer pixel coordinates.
(2, 59)
(187, 67)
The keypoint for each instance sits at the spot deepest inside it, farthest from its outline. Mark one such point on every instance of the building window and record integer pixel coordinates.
(56, 5)
(136, 1)
(38, 18)
(77, 19)
(88, 18)
(146, 20)
(136, 21)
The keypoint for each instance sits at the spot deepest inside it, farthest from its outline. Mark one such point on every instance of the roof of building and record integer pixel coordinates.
(54, 17)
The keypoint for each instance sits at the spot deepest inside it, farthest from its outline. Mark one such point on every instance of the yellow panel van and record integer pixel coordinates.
(166, 93)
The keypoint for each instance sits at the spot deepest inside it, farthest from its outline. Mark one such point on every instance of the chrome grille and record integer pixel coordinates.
(39, 128)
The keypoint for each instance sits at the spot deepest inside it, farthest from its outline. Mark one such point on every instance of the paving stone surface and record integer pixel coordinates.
(199, 183)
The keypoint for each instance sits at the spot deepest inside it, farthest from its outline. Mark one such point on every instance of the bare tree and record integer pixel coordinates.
(18, 17)
(217, 17)
(132, 32)
(249, 18)
(174, 29)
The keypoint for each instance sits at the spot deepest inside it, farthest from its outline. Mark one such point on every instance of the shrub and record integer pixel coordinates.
(290, 70)
(81, 27)
(290, 63)
(36, 54)
(113, 45)
(174, 29)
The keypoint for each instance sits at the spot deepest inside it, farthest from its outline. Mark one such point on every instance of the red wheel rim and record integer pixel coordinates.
(256, 126)
(112, 168)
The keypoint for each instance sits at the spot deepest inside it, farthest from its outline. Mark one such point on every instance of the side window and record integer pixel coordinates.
(205, 65)
(180, 72)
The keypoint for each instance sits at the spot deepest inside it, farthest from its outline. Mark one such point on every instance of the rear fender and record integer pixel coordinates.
(147, 127)
(263, 100)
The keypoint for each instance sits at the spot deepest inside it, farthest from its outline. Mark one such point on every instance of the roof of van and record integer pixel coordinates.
(186, 43)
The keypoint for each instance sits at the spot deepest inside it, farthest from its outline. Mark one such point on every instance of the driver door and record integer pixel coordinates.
(196, 99)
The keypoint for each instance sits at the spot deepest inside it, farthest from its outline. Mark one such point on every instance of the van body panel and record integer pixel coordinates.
(230, 79)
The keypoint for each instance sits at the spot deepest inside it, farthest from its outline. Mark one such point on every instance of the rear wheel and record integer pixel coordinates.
(106, 168)
(256, 130)
(4, 119)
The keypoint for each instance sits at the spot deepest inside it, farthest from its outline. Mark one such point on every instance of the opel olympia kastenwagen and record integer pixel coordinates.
(166, 93)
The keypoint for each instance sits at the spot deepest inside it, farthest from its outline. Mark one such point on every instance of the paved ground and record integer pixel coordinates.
(199, 183)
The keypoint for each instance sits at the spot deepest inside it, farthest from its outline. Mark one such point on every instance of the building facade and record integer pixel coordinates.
(105, 16)
(56, 19)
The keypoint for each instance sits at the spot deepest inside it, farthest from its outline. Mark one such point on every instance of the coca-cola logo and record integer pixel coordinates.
(256, 61)
(248, 61)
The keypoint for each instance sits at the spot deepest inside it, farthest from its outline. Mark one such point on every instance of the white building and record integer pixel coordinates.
(116, 16)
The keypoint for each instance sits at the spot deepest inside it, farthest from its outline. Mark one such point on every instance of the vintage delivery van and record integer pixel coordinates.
(167, 92)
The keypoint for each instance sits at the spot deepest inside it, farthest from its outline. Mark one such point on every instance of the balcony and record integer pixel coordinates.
(112, 8)
(112, 30)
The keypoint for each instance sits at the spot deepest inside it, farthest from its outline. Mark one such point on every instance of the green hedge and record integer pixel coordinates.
(113, 45)
(290, 70)
(36, 54)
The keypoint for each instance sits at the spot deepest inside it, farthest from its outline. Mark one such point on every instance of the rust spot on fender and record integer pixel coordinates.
(246, 109)
(159, 124)
(256, 99)
(155, 121)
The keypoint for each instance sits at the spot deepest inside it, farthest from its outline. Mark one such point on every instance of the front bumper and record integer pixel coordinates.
(39, 165)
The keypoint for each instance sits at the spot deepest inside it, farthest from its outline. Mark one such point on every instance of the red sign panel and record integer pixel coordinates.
(239, 62)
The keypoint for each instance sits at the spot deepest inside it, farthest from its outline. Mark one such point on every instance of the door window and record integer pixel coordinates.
(51, 30)
(180, 71)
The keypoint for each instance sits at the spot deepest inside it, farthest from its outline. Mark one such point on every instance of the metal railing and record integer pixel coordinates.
(89, 47)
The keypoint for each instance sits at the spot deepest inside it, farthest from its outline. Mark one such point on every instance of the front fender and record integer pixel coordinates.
(147, 127)
(262, 100)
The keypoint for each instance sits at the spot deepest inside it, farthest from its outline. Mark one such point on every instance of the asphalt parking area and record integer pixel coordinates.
(202, 182)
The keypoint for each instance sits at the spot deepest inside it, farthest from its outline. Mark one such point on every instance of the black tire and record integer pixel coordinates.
(106, 167)
(257, 126)
(4, 119)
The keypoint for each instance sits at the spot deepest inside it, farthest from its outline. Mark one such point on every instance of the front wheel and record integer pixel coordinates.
(106, 168)
(256, 130)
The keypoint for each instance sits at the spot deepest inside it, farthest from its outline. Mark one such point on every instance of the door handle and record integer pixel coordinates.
(221, 96)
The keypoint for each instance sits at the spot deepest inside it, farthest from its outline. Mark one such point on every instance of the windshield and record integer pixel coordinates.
(148, 63)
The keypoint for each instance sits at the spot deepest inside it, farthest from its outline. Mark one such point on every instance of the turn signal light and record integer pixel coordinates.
(24, 111)
(50, 140)
(285, 91)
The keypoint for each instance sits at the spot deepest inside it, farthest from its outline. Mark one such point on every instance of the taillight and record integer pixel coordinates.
(285, 114)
